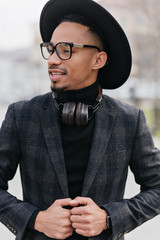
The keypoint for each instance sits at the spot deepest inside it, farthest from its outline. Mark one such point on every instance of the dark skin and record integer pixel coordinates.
(82, 68)
(78, 72)
(58, 222)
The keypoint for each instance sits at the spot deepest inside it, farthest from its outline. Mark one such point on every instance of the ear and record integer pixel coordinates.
(100, 60)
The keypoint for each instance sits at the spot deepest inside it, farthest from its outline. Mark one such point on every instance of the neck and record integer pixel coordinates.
(85, 95)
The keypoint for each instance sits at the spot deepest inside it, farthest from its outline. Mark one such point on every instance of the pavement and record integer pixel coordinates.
(148, 231)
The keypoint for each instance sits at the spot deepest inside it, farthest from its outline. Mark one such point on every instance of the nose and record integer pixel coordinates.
(54, 59)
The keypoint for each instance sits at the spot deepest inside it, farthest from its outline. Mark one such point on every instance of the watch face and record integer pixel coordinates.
(108, 221)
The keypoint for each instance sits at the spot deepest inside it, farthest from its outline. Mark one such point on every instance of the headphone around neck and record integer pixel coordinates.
(77, 113)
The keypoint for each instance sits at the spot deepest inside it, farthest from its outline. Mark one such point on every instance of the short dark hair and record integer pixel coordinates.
(77, 18)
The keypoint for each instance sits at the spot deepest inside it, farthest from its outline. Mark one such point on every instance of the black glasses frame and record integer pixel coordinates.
(71, 45)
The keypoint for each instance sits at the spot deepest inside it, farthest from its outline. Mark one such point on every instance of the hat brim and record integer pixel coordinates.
(118, 69)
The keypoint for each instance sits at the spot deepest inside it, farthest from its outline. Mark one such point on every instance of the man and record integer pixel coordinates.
(74, 145)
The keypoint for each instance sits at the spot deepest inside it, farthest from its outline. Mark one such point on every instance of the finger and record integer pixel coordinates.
(68, 229)
(86, 210)
(79, 201)
(79, 210)
(68, 234)
(64, 233)
(84, 219)
(80, 219)
(63, 202)
(81, 226)
(77, 219)
(66, 222)
(85, 233)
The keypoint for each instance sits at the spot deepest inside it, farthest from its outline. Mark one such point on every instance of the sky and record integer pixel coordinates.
(17, 18)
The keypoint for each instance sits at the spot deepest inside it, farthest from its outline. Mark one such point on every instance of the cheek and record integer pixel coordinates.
(85, 68)
(82, 67)
(79, 66)
(79, 72)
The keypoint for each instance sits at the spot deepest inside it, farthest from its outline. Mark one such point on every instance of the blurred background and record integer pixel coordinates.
(23, 72)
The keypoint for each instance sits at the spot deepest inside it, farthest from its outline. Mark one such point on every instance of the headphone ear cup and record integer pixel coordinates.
(81, 117)
(68, 113)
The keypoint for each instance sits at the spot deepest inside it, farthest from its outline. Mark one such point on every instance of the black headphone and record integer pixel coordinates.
(76, 112)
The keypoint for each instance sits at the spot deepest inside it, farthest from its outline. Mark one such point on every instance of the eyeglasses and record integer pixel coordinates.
(63, 49)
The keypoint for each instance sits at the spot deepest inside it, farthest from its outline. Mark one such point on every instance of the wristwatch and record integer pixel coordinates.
(108, 222)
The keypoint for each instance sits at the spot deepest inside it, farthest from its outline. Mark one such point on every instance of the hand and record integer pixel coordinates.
(88, 220)
(55, 221)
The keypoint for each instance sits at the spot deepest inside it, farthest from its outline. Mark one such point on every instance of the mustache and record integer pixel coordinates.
(57, 68)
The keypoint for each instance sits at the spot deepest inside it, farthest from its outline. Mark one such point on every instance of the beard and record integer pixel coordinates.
(55, 89)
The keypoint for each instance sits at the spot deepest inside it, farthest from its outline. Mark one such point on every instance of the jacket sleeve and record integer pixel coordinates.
(128, 214)
(14, 213)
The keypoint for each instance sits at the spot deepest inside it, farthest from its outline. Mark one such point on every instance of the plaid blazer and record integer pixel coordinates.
(30, 137)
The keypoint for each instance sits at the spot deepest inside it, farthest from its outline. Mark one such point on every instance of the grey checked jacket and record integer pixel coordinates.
(30, 137)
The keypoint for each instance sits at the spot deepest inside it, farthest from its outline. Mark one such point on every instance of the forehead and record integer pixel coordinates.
(71, 32)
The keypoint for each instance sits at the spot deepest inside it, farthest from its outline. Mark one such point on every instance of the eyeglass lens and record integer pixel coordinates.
(63, 50)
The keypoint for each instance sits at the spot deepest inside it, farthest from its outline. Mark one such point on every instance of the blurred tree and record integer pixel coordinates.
(151, 10)
(141, 20)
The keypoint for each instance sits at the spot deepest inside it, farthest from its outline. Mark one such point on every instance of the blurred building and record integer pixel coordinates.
(140, 20)
(24, 72)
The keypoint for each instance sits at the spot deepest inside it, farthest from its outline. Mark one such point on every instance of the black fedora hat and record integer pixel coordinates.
(119, 66)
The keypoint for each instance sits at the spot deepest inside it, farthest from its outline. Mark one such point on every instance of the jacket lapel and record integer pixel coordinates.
(103, 127)
(51, 130)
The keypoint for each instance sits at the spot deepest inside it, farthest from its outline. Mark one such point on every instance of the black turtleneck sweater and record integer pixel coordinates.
(76, 142)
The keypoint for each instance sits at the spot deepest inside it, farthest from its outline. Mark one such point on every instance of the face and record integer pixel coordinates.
(79, 71)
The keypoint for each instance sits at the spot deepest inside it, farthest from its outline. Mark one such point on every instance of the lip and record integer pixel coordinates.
(56, 74)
